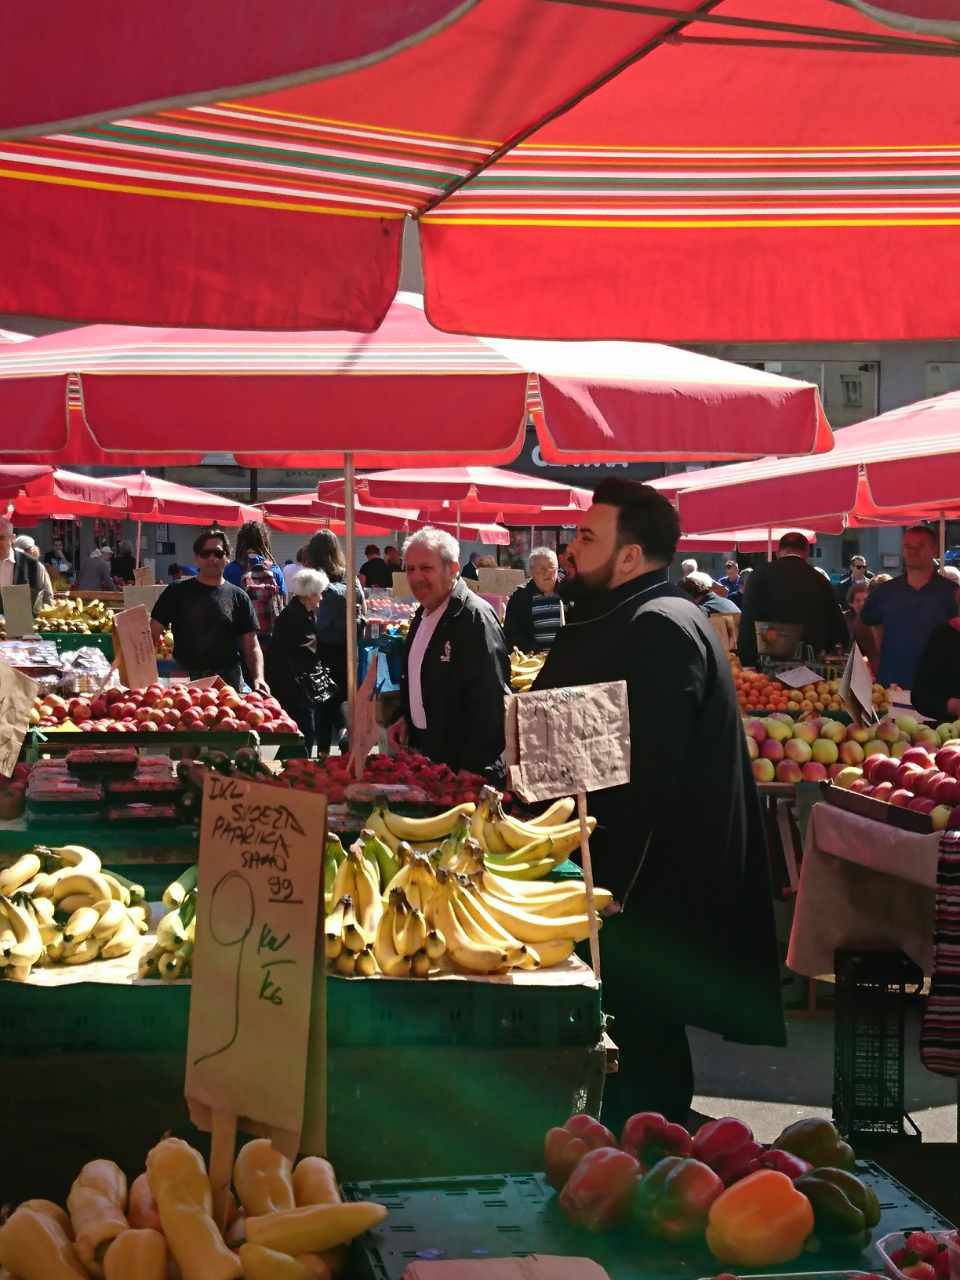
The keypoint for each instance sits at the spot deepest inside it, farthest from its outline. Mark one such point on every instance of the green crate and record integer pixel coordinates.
(69, 640)
(513, 1215)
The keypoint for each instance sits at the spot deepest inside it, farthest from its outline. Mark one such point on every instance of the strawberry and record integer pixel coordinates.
(922, 1243)
(920, 1271)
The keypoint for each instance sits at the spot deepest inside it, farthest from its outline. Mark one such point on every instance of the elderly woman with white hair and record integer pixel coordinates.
(535, 611)
(455, 664)
(298, 677)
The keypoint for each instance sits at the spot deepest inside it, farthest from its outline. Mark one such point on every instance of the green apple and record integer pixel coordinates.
(824, 751)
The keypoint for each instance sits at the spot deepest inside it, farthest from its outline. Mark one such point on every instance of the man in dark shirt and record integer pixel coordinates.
(374, 571)
(470, 568)
(213, 621)
(858, 576)
(905, 611)
(789, 589)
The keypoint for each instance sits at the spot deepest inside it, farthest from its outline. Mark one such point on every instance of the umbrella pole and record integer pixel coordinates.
(348, 504)
(769, 545)
(139, 532)
(458, 521)
(943, 538)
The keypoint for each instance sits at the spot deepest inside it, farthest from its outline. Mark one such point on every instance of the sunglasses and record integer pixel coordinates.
(217, 552)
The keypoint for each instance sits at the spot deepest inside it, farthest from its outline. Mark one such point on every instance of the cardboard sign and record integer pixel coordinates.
(148, 594)
(798, 677)
(401, 587)
(564, 740)
(535, 1266)
(499, 582)
(18, 610)
(856, 688)
(364, 731)
(143, 576)
(136, 652)
(254, 1004)
(17, 695)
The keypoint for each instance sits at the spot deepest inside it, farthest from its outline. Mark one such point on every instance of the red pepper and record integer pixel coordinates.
(784, 1162)
(651, 1137)
(564, 1147)
(672, 1201)
(728, 1146)
(599, 1190)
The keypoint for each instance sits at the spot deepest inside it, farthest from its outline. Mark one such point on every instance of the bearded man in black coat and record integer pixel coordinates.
(682, 845)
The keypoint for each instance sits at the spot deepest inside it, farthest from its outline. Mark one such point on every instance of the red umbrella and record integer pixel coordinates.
(41, 491)
(405, 394)
(745, 540)
(162, 502)
(477, 490)
(304, 512)
(101, 59)
(689, 171)
(936, 17)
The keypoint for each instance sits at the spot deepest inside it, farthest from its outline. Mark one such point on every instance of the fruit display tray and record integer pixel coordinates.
(510, 1215)
(877, 810)
(69, 640)
(56, 743)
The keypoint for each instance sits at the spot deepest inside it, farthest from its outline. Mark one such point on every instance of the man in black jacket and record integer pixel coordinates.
(789, 589)
(681, 846)
(17, 567)
(455, 665)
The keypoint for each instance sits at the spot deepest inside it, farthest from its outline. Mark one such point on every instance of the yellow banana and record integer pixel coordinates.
(558, 813)
(28, 947)
(424, 829)
(409, 930)
(81, 952)
(541, 847)
(518, 834)
(568, 897)
(420, 965)
(112, 915)
(366, 963)
(118, 892)
(80, 925)
(418, 880)
(368, 904)
(528, 927)
(89, 883)
(553, 952)
(463, 951)
(76, 855)
(346, 963)
(435, 945)
(56, 947)
(333, 931)
(43, 909)
(481, 925)
(376, 824)
(492, 840)
(523, 870)
(14, 877)
(121, 942)
(345, 881)
(390, 961)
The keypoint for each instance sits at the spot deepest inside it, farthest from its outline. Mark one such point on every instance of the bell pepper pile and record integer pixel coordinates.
(756, 1206)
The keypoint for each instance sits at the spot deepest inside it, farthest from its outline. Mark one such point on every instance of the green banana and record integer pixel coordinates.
(381, 855)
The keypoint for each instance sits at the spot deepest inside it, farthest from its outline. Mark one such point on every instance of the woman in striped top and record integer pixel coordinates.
(535, 611)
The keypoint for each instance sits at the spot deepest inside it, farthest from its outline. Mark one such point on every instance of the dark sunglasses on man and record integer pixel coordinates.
(207, 552)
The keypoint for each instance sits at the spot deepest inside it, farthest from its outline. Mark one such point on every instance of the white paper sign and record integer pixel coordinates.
(136, 652)
(856, 688)
(17, 695)
(559, 741)
(253, 997)
(148, 594)
(798, 677)
(18, 610)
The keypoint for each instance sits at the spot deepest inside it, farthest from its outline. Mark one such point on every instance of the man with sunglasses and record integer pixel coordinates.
(213, 622)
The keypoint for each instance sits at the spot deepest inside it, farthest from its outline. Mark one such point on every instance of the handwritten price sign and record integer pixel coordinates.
(136, 653)
(254, 1019)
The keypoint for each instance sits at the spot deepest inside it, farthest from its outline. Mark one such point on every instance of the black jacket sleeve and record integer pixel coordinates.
(518, 621)
(836, 632)
(938, 674)
(486, 656)
(755, 607)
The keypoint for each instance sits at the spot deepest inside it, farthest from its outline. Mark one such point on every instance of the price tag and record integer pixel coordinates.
(17, 695)
(143, 576)
(798, 677)
(148, 594)
(18, 610)
(256, 1016)
(565, 740)
(136, 653)
(856, 688)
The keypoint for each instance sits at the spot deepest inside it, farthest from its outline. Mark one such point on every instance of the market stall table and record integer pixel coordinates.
(863, 884)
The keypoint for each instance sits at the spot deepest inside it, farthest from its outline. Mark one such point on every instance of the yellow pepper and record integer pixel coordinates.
(34, 1246)
(267, 1264)
(52, 1211)
(314, 1182)
(318, 1266)
(262, 1177)
(96, 1206)
(760, 1221)
(142, 1208)
(314, 1227)
(137, 1255)
(181, 1188)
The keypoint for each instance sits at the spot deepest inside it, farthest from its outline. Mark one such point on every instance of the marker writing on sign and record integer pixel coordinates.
(271, 943)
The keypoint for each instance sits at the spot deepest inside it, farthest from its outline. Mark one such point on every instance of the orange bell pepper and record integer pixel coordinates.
(759, 1222)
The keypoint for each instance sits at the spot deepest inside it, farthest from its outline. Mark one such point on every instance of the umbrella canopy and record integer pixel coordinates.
(472, 488)
(8, 335)
(40, 491)
(404, 394)
(936, 17)
(897, 467)
(745, 540)
(305, 513)
(760, 202)
(105, 58)
(156, 501)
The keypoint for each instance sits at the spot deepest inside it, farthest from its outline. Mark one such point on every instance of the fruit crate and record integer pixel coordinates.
(872, 988)
(66, 641)
(54, 743)
(511, 1215)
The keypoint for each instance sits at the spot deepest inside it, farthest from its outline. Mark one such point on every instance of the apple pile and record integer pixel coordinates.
(786, 750)
(163, 709)
(918, 780)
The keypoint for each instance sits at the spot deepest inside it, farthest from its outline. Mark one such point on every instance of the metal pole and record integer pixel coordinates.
(139, 532)
(349, 498)
(769, 545)
(458, 521)
(943, 538)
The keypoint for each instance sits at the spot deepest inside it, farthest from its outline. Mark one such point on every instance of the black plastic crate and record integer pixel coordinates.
(872, 990)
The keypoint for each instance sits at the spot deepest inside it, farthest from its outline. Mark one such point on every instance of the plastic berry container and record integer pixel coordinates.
(889, 1245)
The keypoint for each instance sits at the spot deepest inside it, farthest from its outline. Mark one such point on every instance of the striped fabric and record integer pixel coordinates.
(940, 1035)
(704, 187)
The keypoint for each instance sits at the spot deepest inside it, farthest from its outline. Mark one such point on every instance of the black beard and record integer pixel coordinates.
(582, 588)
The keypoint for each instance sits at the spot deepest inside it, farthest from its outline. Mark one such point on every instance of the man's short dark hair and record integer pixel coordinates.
(371, 549)
(644, 517)
(794, 542)
(204, 538)
(924, 528)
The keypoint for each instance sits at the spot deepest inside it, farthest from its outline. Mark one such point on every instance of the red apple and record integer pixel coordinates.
(947, 759)
(208, 699)
(191, 720)
(922, 804)
(883, 791)
(755, 729)
(837, 768)
(901, 797)
(79, 710)
(917, 755)
(99, 708)
(114, 695)
(788, 771)
(882, 769)
(928, 779)
(907, 776)
(182, 702)
(947, 792)
(255, 718)
(149, 726)
(813, 771)
(861, 786)
(770, 749)
(152, 696)
(211, 715)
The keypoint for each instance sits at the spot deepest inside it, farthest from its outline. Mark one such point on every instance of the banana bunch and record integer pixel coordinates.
(83, 617)
(524, 669)
(421, 834)
(516, 849)
(405, 947)
(350, 928)
(59, 906)
(171, 956)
